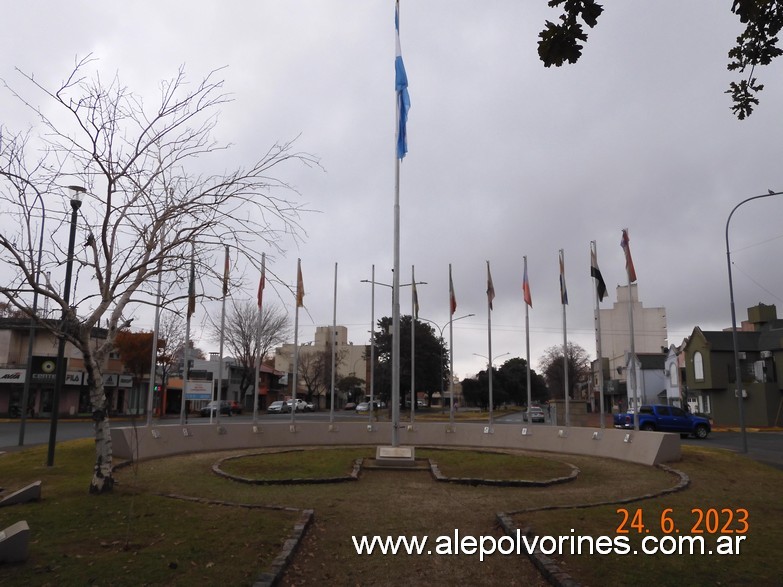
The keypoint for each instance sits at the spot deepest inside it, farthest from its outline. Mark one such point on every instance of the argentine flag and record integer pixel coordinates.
(401, 86)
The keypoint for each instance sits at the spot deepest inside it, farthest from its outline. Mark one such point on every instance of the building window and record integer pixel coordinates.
(698, 366)
(673, 375)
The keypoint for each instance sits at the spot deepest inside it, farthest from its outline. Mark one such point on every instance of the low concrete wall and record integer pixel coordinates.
(648, 448)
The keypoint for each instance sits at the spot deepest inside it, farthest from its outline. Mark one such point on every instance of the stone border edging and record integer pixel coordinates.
(274, 573)
(547, 566)
(504, 482)
(352, 476)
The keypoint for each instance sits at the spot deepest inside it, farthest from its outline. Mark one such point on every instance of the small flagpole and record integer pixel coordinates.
(186, 354)
(489, 342)
(259, 325)
(372, 346)
(413, 343)
(155, 334)
(222, 339)
(594, 250)
(625, 244)
(296, 342)
(564, 301)
(527, 348)
(334, 345)
(451, 350)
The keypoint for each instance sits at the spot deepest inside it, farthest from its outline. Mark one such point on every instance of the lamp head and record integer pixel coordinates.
(77, 195)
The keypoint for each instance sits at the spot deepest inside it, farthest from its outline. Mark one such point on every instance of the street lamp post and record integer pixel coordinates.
(451, 369)
(737, 374)
(489, 374)
(76, 202)
(31, 339)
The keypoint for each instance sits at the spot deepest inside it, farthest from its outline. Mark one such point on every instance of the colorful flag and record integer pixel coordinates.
(300, 292)
(192, 289)
(225, 275)
(490, 288)
(452, 297)
(595, 272)
(625, 244)
(526, 288)
(401, 87)
(261, 284)
(563, 290)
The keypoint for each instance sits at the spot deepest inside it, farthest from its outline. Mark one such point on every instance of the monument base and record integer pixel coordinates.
(395, 456)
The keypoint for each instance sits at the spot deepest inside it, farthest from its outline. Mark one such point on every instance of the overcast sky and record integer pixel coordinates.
(506, 158)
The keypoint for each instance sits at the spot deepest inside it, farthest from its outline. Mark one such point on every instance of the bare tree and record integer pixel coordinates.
(246, 339)
(315, 369)
(146, 207)
(551, 363)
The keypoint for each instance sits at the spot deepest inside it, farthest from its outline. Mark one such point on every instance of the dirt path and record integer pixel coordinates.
(422, 507)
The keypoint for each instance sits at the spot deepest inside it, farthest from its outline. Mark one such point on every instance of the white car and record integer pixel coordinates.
(301, 405)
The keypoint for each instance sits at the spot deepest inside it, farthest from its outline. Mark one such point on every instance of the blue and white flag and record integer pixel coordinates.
(401, 86)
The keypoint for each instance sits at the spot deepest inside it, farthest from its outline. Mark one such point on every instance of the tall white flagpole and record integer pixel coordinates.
(599, 355)
(527, 346)
(259, 326)
(222, 339)
(402, 103)
(191, 302)
(490, 296)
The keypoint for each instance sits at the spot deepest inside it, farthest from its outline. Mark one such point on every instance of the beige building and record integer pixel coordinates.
(314, 362)
(650, 335)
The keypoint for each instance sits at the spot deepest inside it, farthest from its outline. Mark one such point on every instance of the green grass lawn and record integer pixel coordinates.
(138, 535)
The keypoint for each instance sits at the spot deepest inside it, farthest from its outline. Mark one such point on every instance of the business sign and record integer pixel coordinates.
(126, 381)
(12, 375)
(74, 378)
(110, 379)
(44, 369)
(199, 390)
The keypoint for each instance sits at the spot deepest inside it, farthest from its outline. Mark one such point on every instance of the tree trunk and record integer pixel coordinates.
(102, 477)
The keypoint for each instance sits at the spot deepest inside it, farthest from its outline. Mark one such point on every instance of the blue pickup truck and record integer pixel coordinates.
(664, 418)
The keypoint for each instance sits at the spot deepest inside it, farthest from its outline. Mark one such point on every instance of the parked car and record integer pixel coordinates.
(212, 407)
(301, 405)
(665, 418)
(349, 406)
(310, 407)
(277, 407)
(365, 406)
(236, 408)
(536, 414)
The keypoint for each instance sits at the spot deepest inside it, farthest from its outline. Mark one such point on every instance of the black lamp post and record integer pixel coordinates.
(76, 202)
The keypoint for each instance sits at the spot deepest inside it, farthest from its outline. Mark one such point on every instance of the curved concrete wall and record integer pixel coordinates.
(648, 448)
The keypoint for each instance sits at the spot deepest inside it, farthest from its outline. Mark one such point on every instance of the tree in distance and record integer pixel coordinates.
(551, 363)
(246, 339)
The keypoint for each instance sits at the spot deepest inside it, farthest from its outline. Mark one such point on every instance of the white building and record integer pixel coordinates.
(649, 330)
(350, 359)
